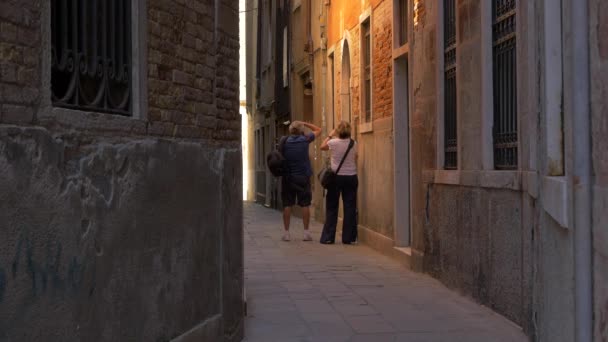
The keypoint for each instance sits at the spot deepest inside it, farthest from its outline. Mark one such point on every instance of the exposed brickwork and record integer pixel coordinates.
(382, 76)
(192, 69)
(193, 73)
(19, 60)
(227, 78)
(382, 60)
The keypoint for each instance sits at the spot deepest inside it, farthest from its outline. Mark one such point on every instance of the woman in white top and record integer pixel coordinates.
(346, 184)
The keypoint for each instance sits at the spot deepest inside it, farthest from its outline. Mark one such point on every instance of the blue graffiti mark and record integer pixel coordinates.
(2, 284)
(15, 266)
(45, 275)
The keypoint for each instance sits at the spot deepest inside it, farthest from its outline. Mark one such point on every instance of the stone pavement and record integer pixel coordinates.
(305, 291)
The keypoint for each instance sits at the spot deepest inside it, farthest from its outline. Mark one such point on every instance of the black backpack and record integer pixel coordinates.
(277, 164)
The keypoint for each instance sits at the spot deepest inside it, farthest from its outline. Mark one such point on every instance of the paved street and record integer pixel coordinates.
(305, 291)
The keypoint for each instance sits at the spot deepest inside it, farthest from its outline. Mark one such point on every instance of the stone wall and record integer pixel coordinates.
(422, 119)
(468, 225)
(123, 228)
(474, 244)
(599, 107)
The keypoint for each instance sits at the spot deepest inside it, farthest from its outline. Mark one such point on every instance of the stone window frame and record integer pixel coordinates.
(397, 23)
(398, 49)
(139, 77)
(268, 46)
(285, 58)
(440, 82)
(366, 17)
(488, 176)
(331, 82)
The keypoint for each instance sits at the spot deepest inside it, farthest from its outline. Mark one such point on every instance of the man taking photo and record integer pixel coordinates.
(295, 186)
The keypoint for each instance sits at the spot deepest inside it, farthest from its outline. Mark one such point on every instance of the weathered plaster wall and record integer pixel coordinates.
(472, 225)
(474, 244)
(599, 116)
(112, 239)
(422, 119)
(118, 228)
(376, 178)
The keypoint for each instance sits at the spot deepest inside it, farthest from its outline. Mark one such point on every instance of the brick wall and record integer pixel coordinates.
(382, 64)
(192, 92)
(20, 65)
(382, 60)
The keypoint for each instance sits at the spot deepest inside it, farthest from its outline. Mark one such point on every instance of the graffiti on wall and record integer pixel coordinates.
(43, 267)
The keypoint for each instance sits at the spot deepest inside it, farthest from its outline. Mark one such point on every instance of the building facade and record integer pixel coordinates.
(268, 96)
(501, 177)
(120, 171)
(481, 128)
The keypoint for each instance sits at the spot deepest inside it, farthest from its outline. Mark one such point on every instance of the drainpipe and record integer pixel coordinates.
(581, 171)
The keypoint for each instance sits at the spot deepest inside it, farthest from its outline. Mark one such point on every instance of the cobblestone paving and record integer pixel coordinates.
(305, 291)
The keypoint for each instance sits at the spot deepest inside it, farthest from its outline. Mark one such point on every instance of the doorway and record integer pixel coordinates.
(401, 152)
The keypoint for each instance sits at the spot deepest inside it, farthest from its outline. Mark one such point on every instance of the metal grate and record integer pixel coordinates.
(505, 91)
(367, 71)
(91, 55)
(402, 22)
(450, 105)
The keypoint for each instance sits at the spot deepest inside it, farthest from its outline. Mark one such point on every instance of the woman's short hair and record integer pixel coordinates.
(343, 129)
(296, 128)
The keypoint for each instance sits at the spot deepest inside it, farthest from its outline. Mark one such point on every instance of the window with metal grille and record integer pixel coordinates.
(367, 80)
(504, 79)
(91, 55)
(403, 22)
(449, 79)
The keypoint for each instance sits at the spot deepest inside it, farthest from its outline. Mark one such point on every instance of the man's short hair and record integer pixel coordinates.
(296, 128)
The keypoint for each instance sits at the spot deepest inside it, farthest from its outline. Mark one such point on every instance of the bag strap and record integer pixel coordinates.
(350, 146)
(281, 144)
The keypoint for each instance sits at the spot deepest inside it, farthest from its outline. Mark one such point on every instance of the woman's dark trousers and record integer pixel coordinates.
(347, 187)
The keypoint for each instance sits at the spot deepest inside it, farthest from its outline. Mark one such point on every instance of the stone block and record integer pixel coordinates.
(8, 32)
(8, 73)
(15, 114)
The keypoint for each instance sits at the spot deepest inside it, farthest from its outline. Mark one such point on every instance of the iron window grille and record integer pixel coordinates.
(504, 78)
(403, 22)
(449, 100)
(91, 55)
(367, 89)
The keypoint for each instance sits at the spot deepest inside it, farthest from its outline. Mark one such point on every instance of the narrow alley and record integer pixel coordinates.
(305, 291)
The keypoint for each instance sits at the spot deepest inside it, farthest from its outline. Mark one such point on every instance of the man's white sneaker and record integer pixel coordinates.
(307, 236)
(286, 237)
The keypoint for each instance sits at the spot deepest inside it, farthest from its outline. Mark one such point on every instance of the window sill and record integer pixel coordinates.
(510, 180)
(366, 127)
(93, 121)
